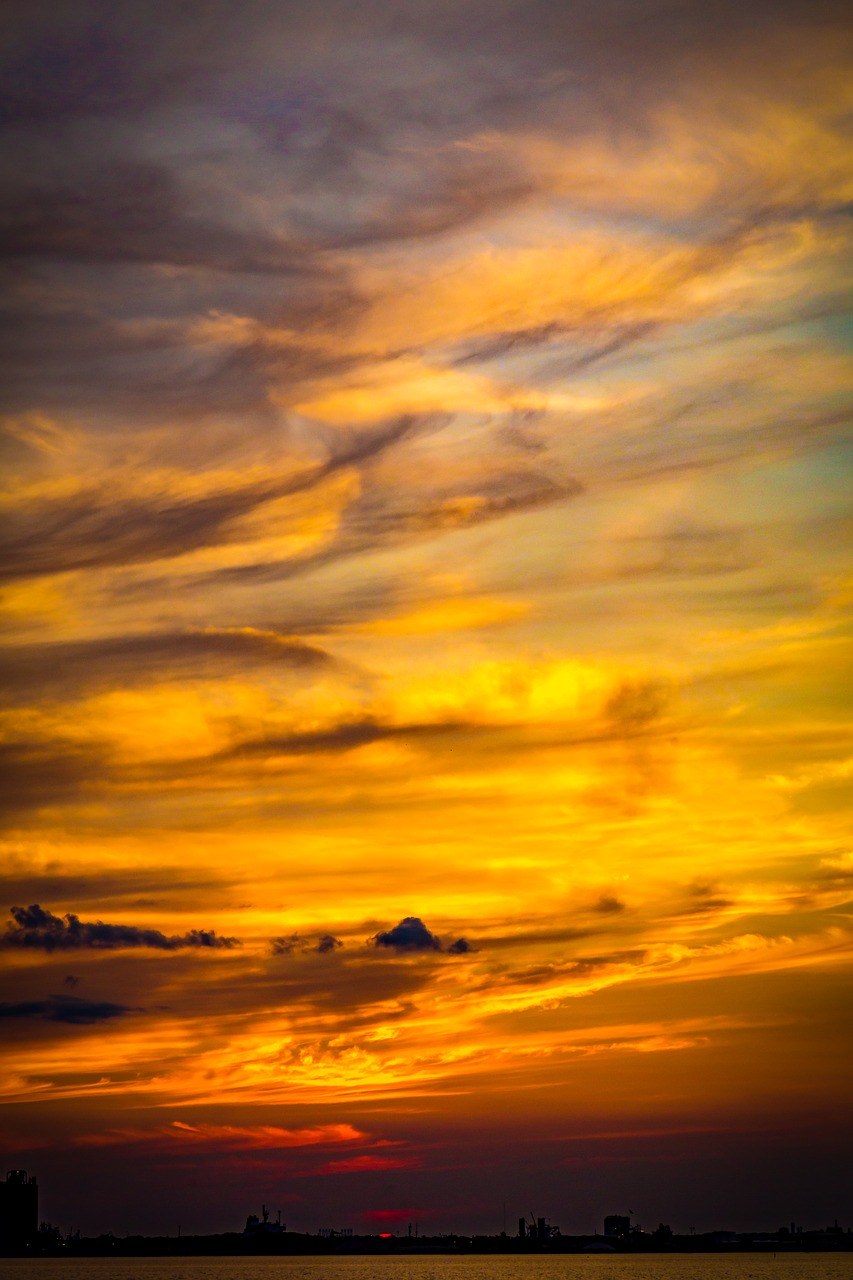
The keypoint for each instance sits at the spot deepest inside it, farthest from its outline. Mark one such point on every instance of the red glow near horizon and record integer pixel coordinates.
(392, 1215)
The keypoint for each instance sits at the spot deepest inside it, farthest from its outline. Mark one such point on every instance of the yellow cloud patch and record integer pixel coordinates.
(459, 614)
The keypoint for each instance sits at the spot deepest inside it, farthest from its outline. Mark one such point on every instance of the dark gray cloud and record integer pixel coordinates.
(412, 935)
(142, 373)
(59, 669)
(78, 63)
(342, 737)
(609, 905)
(460, 947)
(327, 943)
(33, 927)
(133, 211)
(121, 341)
(70, 1009)
(449, 203)
(285, 946)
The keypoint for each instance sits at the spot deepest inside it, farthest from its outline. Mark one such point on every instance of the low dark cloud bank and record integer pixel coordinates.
(33, 927)
(70, 1009)
(287, 946)
(60, 667)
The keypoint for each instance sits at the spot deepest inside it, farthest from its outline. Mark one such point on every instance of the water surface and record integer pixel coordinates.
(742, 1266)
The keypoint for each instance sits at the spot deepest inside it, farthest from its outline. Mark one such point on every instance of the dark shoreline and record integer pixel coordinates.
(294, 1244)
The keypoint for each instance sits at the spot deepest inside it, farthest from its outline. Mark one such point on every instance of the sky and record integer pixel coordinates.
(426, 602)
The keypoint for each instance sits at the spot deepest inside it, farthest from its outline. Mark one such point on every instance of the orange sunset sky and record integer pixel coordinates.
(426, 598)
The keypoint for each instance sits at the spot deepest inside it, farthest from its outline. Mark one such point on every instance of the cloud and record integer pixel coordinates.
(526, 935)
(411, 935)
(340, 737)
(135, 211)
(230, 1137)
(285, 946)
(97, 528)
(62, 667)
(386, 516)
(93, 529)
(122, 73)
(133, 887)
(706, 897)
(36, 928)
(265, 1137)
(36, 772)
(369, 1164)
(63, 1008)
(608, 905)
(449, 202)
(174, 366)
(437, 306)
(390, 1217)
(327, 943)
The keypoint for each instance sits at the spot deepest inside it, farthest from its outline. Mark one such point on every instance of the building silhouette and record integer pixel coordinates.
(262, 1226)
(19, 1209)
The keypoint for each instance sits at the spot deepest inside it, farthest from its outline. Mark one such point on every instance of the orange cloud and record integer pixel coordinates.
(370, 1164)
(230, 1137)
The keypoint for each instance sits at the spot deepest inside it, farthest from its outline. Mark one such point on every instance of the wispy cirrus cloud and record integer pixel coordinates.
(425, 490)
(180, 1133)
(65, 668)
(370, 1164)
